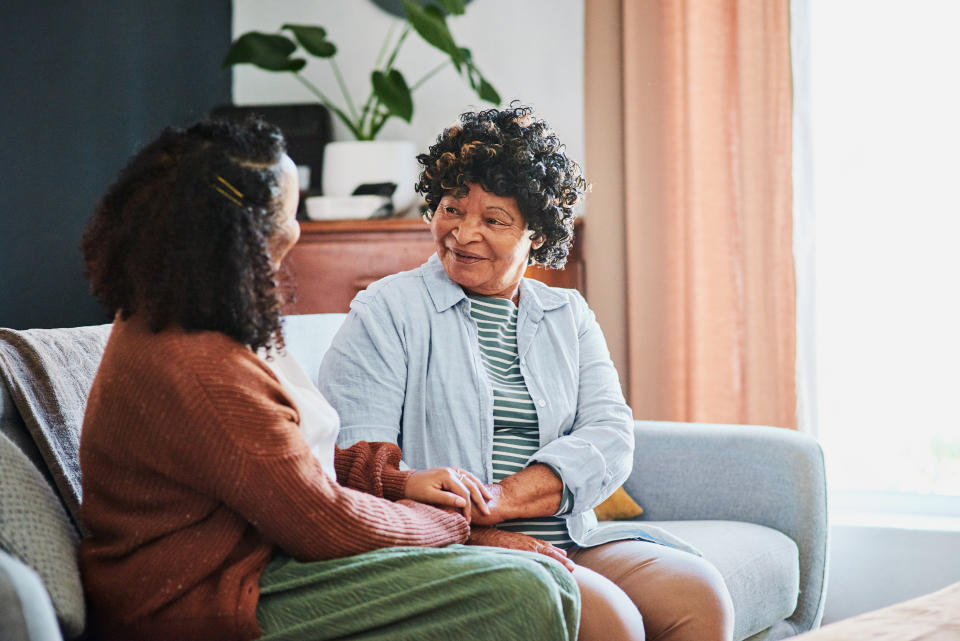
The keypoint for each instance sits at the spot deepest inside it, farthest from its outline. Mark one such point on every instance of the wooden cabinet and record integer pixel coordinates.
(337, 258)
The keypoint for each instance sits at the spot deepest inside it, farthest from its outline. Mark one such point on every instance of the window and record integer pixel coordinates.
(883, 106)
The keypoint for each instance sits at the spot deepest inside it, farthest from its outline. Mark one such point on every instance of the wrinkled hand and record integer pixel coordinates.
(534, 491)
(517, 541)
(450, 487)
(496, 511)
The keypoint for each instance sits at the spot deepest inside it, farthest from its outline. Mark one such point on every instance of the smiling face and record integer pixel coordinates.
(482, 241)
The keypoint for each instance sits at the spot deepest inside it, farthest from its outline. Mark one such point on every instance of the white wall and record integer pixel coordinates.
(530, 50)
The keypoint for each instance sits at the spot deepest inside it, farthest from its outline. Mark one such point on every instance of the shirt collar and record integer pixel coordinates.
(536, 297)
(444, 292)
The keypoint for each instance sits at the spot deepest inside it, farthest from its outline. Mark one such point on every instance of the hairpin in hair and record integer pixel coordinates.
(235, 196)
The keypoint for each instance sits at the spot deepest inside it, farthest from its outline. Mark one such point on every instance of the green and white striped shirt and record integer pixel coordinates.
(516, 433)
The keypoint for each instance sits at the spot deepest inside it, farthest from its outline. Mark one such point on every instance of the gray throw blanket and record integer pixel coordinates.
(48, 373)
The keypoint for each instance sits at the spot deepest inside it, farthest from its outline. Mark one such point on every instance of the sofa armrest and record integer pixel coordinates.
(25, 608)
(769, 476)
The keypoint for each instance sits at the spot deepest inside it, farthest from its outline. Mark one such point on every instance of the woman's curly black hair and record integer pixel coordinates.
(175, 245)
(510, 153)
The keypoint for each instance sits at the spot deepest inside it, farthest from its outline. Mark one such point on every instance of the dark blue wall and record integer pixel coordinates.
(82, 86)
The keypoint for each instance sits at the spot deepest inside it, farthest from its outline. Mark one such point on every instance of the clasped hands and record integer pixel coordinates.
(480, 503)
(483, 505)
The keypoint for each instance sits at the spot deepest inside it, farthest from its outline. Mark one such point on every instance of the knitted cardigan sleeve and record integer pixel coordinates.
(372, 468)
(260, 465)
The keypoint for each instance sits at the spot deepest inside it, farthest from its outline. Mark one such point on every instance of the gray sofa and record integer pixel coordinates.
(751, 499)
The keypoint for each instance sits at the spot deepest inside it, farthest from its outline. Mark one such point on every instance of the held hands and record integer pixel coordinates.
(496, 507)
(517, 541)
(450, 487)
(534, 491)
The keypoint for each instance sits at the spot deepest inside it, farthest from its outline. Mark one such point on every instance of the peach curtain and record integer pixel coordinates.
(708, 226)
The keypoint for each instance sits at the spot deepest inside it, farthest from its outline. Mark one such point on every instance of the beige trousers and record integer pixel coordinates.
(680, 596)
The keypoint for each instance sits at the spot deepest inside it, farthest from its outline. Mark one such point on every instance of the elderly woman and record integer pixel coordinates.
(463, 362)
(217, 504)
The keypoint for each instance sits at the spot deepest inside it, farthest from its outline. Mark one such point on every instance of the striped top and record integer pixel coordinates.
(516, 432)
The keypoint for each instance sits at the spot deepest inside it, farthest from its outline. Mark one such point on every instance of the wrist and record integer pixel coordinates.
(509, 504)
(535, 491)
(395, 483)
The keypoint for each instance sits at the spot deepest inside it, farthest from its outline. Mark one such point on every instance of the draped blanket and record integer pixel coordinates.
(48, 373)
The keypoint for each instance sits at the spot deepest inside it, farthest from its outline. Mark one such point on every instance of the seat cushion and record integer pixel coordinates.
(35, 529)
(25, 610)
(759, 565)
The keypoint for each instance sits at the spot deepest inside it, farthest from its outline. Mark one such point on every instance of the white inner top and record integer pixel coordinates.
(319, 422)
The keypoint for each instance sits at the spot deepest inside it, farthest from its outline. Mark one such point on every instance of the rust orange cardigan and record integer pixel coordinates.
(194, 472)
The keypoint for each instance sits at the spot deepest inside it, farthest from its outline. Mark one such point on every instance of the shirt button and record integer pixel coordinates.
(541, 402)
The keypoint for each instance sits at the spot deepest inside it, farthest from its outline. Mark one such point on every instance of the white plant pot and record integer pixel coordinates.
(350, 163)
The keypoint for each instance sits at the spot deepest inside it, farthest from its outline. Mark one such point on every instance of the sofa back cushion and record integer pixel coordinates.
(307, 338)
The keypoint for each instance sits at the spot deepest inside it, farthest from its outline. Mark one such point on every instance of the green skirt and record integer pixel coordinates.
(457, 592)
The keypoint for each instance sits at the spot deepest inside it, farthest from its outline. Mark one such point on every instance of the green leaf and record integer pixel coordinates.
(487, 92)
(430, 23)
(473, 75)
(393, 93)
(313, 39)
(479, 84)
(437, 14)
(455, 7)
(265, 50)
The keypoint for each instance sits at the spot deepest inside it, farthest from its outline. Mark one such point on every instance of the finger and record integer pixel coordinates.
(561, 555)
(555, 553)
(487, 494)
(468, 511)
(482, 488)
(440, 497)
(455, 485)
(478, 492)
(463, 499)
(474, 488)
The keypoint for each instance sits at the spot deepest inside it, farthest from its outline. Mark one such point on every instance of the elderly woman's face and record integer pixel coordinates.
(483, 242)
(288, 229)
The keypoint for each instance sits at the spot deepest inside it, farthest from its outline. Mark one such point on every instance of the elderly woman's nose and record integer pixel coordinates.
(468, 229)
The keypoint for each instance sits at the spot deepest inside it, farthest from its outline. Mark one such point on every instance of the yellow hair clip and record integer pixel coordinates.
(235, 197)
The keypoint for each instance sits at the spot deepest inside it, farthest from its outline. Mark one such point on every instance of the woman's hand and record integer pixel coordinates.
(497, 506)
(517, 541)
(448, 486)
(534, 491)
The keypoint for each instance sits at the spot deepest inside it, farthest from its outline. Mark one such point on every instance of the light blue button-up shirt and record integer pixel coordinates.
(406, 367)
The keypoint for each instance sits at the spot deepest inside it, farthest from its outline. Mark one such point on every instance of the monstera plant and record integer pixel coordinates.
(391, 95)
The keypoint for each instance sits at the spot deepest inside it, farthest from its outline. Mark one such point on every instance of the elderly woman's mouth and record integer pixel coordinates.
(465, 257)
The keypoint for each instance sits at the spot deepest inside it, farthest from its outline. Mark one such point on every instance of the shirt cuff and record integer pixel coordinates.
(566, 499)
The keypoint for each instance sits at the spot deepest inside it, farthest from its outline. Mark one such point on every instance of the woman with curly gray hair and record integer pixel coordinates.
(465, 363)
